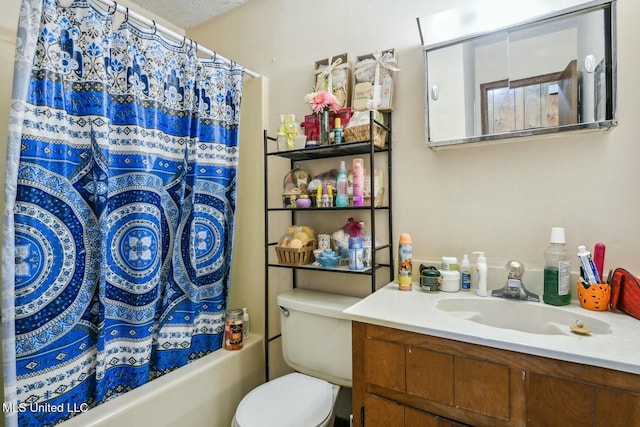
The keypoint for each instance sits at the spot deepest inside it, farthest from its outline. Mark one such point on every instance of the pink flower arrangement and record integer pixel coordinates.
(322, 100)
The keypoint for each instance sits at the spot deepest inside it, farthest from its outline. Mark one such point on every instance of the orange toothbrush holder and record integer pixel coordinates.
(594, 297)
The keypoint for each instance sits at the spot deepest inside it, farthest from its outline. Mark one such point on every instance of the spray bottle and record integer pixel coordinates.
(405, 255)
(481, 266)
(342, 199)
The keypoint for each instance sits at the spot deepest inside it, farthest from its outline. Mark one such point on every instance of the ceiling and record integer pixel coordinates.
(187, 13)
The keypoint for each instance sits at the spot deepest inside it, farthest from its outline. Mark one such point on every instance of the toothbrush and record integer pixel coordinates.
(598, 257)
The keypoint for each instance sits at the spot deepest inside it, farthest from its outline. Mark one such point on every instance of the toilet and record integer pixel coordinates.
(316, 343)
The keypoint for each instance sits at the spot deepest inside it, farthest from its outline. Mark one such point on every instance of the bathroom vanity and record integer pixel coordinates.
(420, 360)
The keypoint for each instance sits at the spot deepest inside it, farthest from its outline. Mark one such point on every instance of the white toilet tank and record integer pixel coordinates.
(316, 338)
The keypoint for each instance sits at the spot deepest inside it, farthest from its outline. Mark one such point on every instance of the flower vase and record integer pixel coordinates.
(324, 127)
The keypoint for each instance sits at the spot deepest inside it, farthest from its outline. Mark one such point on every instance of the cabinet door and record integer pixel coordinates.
(384, 364)
(556, 402)
(379, 412)
(430, 375)
(616, 408)
(482, 387)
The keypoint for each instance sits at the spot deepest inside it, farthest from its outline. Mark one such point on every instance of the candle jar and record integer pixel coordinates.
(303, 201)
(233, 329)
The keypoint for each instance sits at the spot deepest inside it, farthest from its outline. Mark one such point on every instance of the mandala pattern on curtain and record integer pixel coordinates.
(124, 206)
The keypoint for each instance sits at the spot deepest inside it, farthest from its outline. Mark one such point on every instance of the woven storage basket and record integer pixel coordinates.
(361, 133)
(296, 256)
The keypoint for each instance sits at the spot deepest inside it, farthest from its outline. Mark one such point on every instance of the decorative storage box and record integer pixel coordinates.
(298, 143)
(334, 75)
(361, 133)
(373, 80)
(358, 129)
(290, 135)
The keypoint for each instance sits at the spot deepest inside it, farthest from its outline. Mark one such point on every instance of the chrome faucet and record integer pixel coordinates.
(514, 288)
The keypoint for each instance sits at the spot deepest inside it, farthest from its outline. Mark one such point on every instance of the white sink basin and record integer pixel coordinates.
(534, 318)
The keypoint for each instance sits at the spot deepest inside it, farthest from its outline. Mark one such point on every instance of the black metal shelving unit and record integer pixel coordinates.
(364, 148)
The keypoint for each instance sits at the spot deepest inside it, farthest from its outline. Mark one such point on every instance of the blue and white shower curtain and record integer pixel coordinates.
(120, 205)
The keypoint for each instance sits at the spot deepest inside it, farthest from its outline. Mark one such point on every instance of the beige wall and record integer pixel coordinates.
(502, 199)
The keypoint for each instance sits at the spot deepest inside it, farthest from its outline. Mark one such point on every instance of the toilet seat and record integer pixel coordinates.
(293, 400)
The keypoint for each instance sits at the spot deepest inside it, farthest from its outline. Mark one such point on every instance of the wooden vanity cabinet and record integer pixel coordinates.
(407, 379)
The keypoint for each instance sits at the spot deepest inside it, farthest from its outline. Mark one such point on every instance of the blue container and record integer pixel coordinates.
(355, 253)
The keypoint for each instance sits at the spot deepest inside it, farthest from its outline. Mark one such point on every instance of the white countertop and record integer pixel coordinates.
(416, 311)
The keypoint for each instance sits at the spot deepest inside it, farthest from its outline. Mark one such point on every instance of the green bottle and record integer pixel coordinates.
(557, 270)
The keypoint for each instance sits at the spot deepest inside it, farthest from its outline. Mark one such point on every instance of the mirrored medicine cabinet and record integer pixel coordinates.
(495, 73)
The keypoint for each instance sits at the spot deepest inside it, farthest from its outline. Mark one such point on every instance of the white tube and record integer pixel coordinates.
(588, 267)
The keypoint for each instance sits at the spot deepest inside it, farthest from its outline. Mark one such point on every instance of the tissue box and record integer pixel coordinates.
(335, 72)
(373, 81)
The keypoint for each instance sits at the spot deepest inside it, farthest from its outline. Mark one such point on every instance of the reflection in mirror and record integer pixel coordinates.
(543, 76)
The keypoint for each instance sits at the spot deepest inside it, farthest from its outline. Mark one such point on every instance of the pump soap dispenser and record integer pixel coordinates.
(481, 266)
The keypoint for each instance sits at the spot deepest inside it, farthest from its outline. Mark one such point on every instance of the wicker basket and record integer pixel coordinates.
(361, 133)
(295, 256)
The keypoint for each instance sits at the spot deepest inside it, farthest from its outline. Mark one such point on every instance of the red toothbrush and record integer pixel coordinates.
(598, 258)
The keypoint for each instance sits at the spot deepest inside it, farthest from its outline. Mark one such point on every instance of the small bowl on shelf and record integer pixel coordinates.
(328, 259)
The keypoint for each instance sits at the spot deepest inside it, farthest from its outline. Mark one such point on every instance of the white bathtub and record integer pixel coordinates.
(203, 393)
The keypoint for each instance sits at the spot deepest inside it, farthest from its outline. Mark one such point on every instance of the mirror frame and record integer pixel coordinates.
(609, 8)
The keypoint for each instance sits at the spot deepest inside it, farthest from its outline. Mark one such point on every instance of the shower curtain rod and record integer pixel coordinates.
(125, 10)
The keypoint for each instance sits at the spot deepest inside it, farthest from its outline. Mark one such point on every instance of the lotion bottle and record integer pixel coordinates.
(465, 273)
(358, 182)
(482, 274)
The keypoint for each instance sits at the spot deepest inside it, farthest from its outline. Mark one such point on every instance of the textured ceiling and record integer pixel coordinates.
(187, 13)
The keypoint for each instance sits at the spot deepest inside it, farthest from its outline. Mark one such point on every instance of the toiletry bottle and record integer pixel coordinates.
(465, 273)
(481, 266)
(325, 197)
(366, 245)
(450, 280)
(245, 324)
(337, 131)
(450, 263)
(557, 270)
(366, 249)
(405, 255)
(358, 182)
(355, 253)
(319, 197)
(342, 198)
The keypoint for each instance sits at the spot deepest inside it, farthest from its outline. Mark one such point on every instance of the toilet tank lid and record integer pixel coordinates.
(316, 302)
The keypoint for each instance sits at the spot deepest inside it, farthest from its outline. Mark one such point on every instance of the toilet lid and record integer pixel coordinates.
(293, 400)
